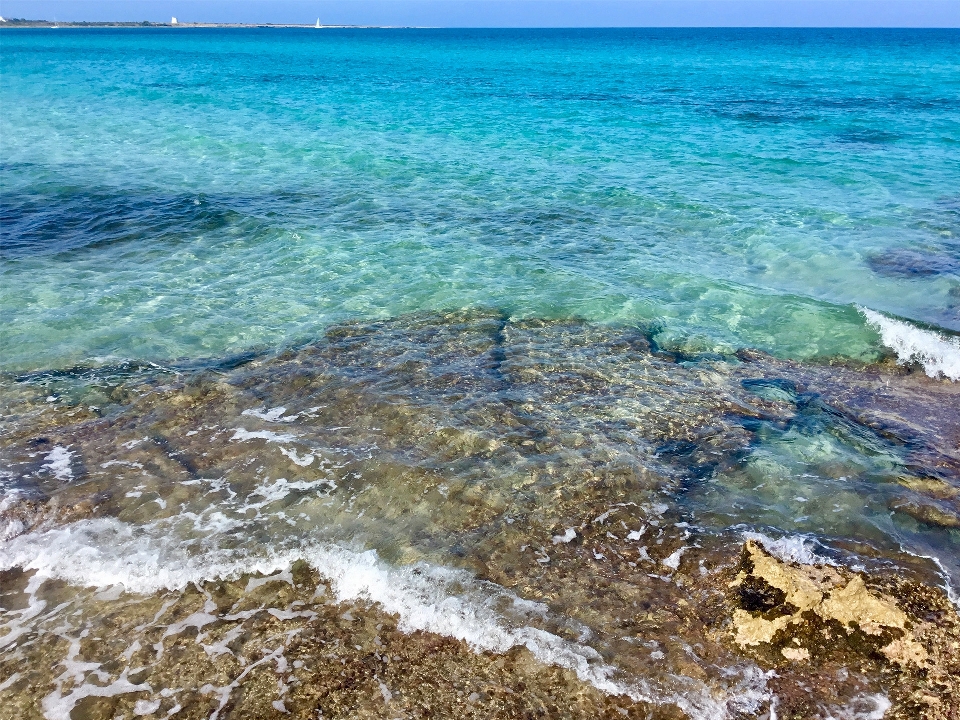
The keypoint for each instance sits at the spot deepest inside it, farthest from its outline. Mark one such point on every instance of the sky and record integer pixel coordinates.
(509, 13)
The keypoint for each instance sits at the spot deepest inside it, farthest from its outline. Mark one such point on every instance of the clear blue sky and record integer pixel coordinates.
(509, 13)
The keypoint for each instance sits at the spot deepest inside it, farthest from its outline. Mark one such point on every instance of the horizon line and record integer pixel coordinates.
(140, 24)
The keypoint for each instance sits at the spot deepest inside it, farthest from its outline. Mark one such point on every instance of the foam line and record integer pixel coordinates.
(791, 548)
(105, 552)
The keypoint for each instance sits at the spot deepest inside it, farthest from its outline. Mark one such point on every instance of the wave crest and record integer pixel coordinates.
(939, 355)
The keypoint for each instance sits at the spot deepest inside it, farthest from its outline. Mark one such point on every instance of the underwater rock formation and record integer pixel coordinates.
(467, 514)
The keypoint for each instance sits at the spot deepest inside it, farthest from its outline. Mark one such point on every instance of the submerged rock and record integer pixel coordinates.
(576, 495)
(912, 263)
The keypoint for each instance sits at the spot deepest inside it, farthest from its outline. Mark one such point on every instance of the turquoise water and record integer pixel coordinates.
(375, 320)
(182, 194)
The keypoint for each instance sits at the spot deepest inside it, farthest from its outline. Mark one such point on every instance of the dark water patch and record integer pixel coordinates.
(942, 222)
(587, 97)
(912, 263)
(954, 294)
(758, 117)
(773, 388)
(866, 137)
(119, 372)
(756, 111)
(41, 221)
(222, 364)
(170, 85)
(950, 203)
(44, 223)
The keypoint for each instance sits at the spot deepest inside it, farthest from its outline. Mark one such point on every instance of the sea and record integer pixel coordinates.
(435, 372)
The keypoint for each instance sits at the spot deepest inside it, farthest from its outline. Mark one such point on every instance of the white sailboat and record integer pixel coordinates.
(318, 25)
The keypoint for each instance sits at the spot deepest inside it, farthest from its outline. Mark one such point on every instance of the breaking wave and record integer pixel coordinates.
(108, 553)
(939, 355)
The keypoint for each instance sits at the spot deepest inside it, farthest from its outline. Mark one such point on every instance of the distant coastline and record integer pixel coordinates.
(22, 23)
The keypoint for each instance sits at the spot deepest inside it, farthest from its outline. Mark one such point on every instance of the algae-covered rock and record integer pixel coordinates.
(854, 604)
(818, 590)
(904, 635)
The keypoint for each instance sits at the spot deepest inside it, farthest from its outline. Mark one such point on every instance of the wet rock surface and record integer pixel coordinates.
(835, 621)
(567, 465)
(284, 648)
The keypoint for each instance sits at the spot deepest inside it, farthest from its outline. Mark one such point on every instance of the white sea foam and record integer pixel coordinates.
(106, 552)
(242, 435)
(11, 528)
(9, 681)
(58, 463)
(271, 492)
(791, 548)
(271, 415)
(277, 414)
(939, 355)
(302, 461)
(146, 707)
(865, 707)
(568, 536)
(673, 560)
(948, 585)
(9, 498)
(57, 706)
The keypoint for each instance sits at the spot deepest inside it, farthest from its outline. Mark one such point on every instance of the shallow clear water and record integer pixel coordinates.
(511, 338)
(171, 195)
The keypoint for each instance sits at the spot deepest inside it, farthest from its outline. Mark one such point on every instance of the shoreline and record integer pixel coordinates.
(563, 490)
